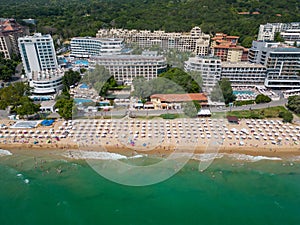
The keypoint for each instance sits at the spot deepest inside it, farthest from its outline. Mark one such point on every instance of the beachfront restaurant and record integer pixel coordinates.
(174, 101)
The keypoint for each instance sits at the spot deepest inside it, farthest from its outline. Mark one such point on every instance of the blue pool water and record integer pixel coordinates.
(82, 62)
(82, 100)
(245, 92)
(84, 86)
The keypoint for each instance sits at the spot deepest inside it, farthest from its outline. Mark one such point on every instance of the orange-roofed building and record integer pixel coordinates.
(225, 47)
(174, 101)
(10, 31)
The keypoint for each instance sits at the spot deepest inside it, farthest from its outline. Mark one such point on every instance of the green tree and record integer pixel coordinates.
(227, 92)
(294, 104)
(262, 99)
(277, 37)
(70, 78)
(65, 108)
(191, 108)
(27, 107)
(247, 42)
(11, 95)
(216, 94)
(142, 88)
(7, 68)
(182, 79)
(100, 79)
(287, 116)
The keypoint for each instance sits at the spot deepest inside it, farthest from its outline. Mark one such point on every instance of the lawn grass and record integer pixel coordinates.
(271, 112)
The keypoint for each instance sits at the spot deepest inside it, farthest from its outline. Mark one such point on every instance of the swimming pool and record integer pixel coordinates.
(244, 92)
(82, 63)
(82, 100)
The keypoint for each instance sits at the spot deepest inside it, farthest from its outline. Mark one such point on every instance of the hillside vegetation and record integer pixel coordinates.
(70, 18)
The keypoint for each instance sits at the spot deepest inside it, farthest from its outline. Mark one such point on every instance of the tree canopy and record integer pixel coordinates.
(65, 108)
(100, 79)
(174, 81)
(223, 92)
(27, 107)
(65, 18)
(11, 95)
(70, 78)
(294, 104)
(191, 108)
(262, 99)
(7, 68)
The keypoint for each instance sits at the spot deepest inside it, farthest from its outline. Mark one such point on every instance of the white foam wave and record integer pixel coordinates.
(244, 157)
(94, 155)
(4, 152)
(26, 181)
(136, 156)
(206, 157)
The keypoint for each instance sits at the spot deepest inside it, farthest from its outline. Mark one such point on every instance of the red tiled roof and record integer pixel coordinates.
(231, 37)
(181, 97)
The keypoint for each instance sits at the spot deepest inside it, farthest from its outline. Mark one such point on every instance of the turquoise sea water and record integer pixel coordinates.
(32, 191)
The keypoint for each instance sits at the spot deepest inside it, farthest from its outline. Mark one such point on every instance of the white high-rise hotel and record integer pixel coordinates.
(37, 53)
(85, 47)
(40, 63)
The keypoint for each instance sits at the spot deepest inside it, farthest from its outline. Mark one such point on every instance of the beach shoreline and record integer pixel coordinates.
(160, 138)
(159, 151)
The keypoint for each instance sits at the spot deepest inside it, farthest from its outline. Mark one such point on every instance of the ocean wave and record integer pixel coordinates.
(136, 156)
(26, 181)
(94, 155)
(206, 157)
(4, 152)
(250, 158)
(293, 158)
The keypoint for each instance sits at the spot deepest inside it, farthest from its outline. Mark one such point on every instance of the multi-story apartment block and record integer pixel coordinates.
(291, 36)
(10, 31)
(282, 63)
(125, 68)
(85, 47)
(244, 73)
(225, 47)
(195, 41)
(267, 31)
(208, 66)
(37, 53)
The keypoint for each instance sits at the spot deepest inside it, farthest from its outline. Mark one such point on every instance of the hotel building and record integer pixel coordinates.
(291, 36)
(125, 68)
(37, 53)
(46, 82)
(282, 63)
(195, 41)
(244, 73)
(225, 47)
(267, 31)
(85, 47)
(208, 66)
(10, 31)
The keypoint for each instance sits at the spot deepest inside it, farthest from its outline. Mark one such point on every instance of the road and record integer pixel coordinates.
(125, 112)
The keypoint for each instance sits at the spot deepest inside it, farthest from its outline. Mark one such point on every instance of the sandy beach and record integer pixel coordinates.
(158, 137)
